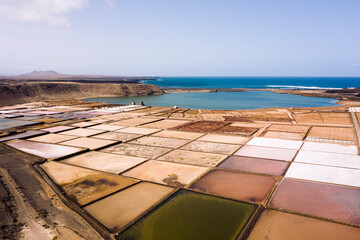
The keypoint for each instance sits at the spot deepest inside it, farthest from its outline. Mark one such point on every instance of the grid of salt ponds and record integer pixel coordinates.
(128, 186)
(22, 116)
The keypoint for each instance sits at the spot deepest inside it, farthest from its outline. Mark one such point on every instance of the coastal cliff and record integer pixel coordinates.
(26, 92)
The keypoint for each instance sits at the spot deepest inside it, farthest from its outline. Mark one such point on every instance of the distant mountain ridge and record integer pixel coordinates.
(40, 73)
(52, 75)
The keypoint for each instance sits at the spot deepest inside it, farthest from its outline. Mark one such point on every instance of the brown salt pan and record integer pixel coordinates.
(240, 186)
(118, 136)
(289, 128)
(211, 147)
(335, 133)
(259, 165)
(245, 131)
(160, 141)
(119, 209)
(149, 152)
(200, 126)
(319, 199)
(48, 120)
(285, 226)
(285, 135)
(85, 185)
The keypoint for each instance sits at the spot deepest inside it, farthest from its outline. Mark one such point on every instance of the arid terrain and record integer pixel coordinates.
(39, 86)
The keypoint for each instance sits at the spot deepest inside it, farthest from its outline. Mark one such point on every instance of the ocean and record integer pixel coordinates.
(257, 82)
(239, 100)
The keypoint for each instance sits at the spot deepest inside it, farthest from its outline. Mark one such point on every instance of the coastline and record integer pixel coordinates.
(19, 92)
(344, 95)
(22, 92)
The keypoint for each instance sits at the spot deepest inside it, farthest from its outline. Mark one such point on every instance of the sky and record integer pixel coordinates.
(181, 37)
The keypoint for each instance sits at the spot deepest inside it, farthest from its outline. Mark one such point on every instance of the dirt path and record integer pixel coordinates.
(28, 206)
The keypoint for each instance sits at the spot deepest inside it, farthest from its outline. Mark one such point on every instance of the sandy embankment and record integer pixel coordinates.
(39, 91)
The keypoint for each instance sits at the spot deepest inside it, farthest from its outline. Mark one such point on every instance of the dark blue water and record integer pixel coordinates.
(224, 100)
(257, 82)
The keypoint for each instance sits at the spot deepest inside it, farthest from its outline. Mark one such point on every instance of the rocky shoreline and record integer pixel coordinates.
(16, 93)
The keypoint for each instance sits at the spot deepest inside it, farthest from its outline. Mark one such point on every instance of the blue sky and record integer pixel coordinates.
(181, 38)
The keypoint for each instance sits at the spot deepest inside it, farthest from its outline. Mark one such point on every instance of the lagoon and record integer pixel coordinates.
(223, 100)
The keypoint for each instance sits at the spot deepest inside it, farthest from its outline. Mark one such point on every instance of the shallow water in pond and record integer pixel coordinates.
(223, 100)
(190, 215)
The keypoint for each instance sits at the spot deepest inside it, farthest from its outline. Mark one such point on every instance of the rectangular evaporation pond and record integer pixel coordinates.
(259, 165)
(285, 135)
(52, 138)
(149, 152)
(106, 127)
(228, 129)
(267, 152)
(135, 121)
(289, 128)
(160, 141)
(200, 126)
(84, 124)
(48, 120)
(106, 162)
(26, 118)
(85, 185)
(11, 123)
(171, 174)
(330, 159)
(45, 150)
(44, 112)
(121, 208)
(63, 116)
(87, 142)
(189, 215)
(11, 115)
(285, 226)
(27, 134)
(334, 133)
(336, 175)
(319, 199)
(330, 147)
(82, 132)
(164, 124)
(224, 139)
(57, 129)
(195, 158)
(273, 142)
(177, 134)
(220, 148)
(239, 186)
(138, 130)
(118, 136)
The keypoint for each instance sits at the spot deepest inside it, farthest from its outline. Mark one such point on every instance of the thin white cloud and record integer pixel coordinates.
(52, 12)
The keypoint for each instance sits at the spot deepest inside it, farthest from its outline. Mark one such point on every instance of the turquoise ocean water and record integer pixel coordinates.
(257, 82)
(238, 100)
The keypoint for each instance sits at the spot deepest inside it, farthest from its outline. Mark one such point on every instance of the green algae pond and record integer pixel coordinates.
(191, 215)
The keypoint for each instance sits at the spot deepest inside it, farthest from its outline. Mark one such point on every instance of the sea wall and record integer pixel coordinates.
(26, 92)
